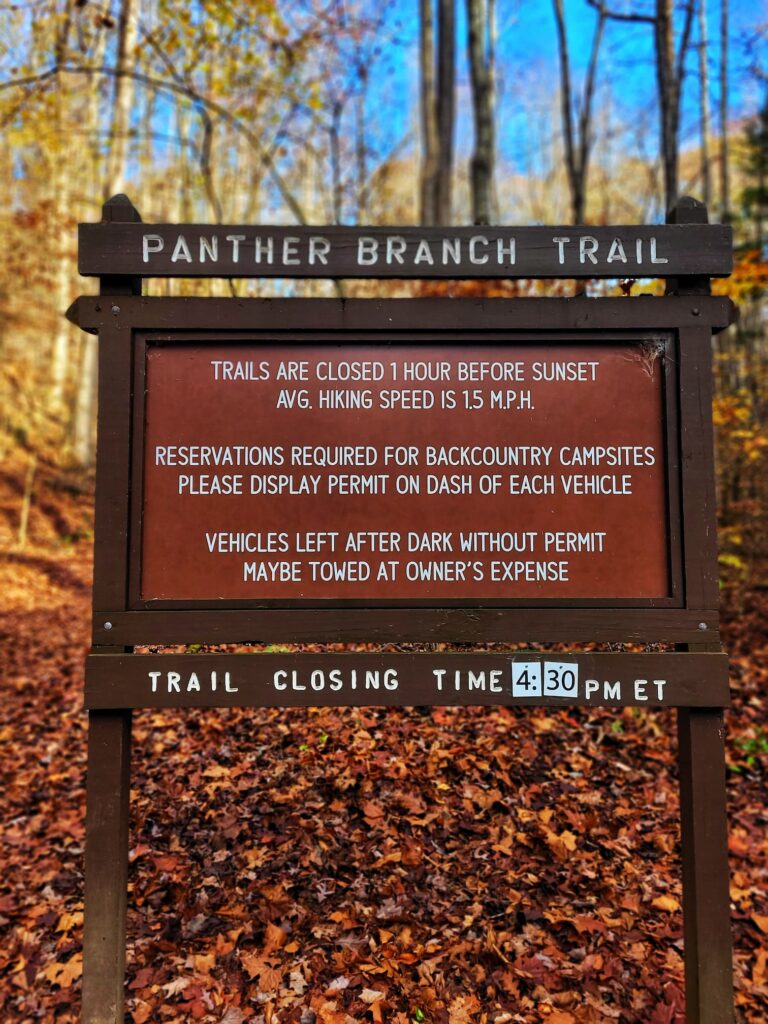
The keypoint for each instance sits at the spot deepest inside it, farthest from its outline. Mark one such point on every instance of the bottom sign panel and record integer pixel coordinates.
(402, 680)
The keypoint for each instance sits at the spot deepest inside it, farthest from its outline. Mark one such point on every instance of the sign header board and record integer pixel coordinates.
(236, 250)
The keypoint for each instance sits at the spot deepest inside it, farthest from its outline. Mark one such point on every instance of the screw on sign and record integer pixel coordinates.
(383, 459)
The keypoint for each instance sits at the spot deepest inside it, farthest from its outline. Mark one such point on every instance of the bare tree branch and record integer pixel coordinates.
(179, 89)
(621, 15)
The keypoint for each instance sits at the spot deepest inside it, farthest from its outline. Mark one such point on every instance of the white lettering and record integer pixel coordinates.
(505, 250)
(396, 246)
(561, 243)
(423, 253)
(319, 248)
(474, 241)
(151, 243)
(290, 252)
(235, 240)
(452, 249)
(616, 252)
(269, 247)
(181, 251)
(587, 249)
(209, 249)
(367, 251)
(654, 257)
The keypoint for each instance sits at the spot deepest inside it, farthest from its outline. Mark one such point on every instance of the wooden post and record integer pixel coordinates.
(107, 801)
(701, 764)
(106, 865)
(706, 901)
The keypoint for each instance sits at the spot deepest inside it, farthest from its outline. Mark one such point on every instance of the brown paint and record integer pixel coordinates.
(622, 407)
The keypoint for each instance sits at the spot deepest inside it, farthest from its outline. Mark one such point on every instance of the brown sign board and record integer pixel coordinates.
(410, 470)
(521, 678)
(236, 250)
(404, 471)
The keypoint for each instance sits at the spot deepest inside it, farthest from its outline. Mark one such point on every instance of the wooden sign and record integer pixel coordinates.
(406, 471)
(394, 679)
(237, 250)
(431, 470)
(413, 471)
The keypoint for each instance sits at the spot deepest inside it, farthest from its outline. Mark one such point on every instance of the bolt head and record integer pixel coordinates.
(702, 626)
(107, 625)
(115, 310)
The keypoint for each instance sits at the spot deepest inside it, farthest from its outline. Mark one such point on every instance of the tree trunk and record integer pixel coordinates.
(83, 427)
(429, 131)
(122, 100)
(668, 98)
(566, 108)
(482, 162)
(361, 155)
(706, 173)
(438, 109)
(337, 197)
(61, 181)
(670, 73)
(446, 107)
(725, 203)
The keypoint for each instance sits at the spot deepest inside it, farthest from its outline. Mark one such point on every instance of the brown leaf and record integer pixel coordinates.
(373, 810)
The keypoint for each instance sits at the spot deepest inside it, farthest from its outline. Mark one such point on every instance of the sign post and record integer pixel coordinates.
(433, 470)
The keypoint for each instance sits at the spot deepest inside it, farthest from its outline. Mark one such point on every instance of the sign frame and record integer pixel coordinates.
(689, 615)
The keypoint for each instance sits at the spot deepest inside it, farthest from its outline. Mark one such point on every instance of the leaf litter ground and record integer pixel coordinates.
(330, 866)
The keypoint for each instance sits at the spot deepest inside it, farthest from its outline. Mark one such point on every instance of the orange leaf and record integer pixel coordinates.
(64, 974)
(142, 1012)
(269, 979)
(668, 903)
(274, 938)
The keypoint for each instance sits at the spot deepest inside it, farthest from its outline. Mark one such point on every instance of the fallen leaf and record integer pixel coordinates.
(668, 903)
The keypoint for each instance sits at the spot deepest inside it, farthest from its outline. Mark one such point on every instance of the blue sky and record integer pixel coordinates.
(527, 46)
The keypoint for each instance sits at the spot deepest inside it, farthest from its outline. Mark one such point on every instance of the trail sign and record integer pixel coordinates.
(236, 250)
(389, 471)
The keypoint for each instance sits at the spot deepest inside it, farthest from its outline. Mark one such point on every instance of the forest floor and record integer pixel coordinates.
(438, 866)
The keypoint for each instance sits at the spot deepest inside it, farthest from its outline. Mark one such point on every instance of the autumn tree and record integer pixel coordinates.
(438, 108)
(754, 197)
(481, 59)
(704, 115)
(577, 119)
